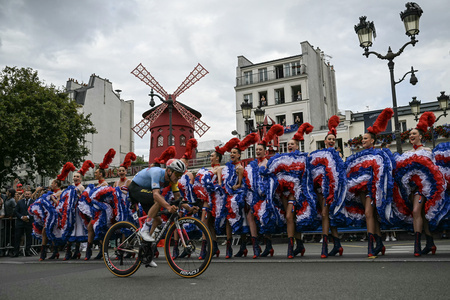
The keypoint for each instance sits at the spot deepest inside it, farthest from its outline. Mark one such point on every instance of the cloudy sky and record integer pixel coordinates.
(73, 39)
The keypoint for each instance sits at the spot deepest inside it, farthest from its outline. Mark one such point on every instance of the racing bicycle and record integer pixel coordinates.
(124, 250)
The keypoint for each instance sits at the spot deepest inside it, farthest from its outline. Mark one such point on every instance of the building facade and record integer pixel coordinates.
(113, 118)
(291, 90)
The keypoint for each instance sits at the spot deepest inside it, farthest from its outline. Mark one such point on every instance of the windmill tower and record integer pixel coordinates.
(170, 127)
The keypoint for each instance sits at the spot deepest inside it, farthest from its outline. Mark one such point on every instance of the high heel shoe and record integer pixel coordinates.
(337, 248)
(203, 251)
(229, 251)
(290, 252)
(417, 246)
(43, 252)
(156, 253)
(430, 246)
(215, 249)
(300, 249)
(55, 253)
(88, 252)
(176, 251)
(370, 242)
(380, 247)
(243, 249)
(76, 253)
(269, 249)
(324, 246)
(256, 247)
(68, 254)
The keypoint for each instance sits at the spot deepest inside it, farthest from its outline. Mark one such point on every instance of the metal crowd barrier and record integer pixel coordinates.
(7, 232)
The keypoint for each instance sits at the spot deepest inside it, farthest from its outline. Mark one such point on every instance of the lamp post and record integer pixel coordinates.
(169, 103)
(259, 119)
(443, 105)
(366, 30)
(246, 114)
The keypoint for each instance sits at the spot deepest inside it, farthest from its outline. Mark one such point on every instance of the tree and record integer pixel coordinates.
(39, 125)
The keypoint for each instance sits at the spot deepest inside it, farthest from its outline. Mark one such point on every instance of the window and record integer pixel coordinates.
(301, 145)
(287, 70)
(279, 72)
(160, 141)
(298, 118)
(281, 120)
(296, 68)
(171, 142)
(279, 96)
(251, 151)
(182, 140)
(248, 78)
(248, 126)
(296, 93)
(283, 147)
(403, 126)
(152, 142)
(263, 75)
(263, 99)
(249, 98)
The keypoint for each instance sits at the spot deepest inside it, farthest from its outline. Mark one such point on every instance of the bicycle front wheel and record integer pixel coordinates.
(121, 249)
(192, 260)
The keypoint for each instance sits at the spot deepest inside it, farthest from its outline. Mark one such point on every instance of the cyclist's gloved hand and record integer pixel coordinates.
(172, 209)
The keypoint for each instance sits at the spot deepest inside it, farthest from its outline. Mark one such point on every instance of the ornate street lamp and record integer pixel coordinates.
(415, 108)
(259, 116)
(365, 30)
(443, 103)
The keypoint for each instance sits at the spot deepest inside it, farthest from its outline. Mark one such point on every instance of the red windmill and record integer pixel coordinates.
(185, 119)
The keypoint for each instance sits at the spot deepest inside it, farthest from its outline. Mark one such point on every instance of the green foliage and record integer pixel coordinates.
(40, 126)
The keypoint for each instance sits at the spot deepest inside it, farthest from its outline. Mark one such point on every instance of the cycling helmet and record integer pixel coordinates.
(177, 166)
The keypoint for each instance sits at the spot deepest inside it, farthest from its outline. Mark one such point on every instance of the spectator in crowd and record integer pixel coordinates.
(23, 224)
(2, 227)
(263, 101)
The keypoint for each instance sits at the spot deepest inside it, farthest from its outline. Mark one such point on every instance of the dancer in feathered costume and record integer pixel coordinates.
(78, 232)
(326, 169)
(208, 188)
(370, 184)
(236, 186)
(101, 204)
(441, 155)
(51, 216)
(421, 187)
(126, 210)
(267, 215)
(294, 190)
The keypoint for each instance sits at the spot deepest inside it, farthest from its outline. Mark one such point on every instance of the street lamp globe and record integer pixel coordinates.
(443, 101)
(259, 115)
(246, 109)
(365, 31)
(410, 18)
(415, 107)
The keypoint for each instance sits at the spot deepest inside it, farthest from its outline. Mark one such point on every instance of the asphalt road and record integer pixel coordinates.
(397, 275)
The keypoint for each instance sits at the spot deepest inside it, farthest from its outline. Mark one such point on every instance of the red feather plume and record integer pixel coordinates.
(250, 139)
(426, 120)
(128, 159)
(68, 167)
(190, 146)
(381, 122)
(109, 156)
(166, 155)
(228, 146)
(305, 128)
(275, 130)
(86, 165)
(333, 122)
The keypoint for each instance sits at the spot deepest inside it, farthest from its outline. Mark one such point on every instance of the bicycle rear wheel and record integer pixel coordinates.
(190, 265)
(121, 249)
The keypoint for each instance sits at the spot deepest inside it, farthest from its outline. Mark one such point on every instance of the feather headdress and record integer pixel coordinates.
(305, 128)
(107, 160)
(381, 122)
(228, 146)
(275, 130)
(190, 146)
(68, 167)
(166, 155)
(333, 122)
(128, 159)
(249, 140)
(86, 165)
(426, 120)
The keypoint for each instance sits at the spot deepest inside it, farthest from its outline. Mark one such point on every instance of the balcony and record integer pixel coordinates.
(257, 77)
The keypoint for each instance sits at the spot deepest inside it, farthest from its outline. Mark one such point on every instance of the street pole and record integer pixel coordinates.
(398, 139)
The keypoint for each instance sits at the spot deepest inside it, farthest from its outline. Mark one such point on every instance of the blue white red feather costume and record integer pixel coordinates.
(442, 159)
